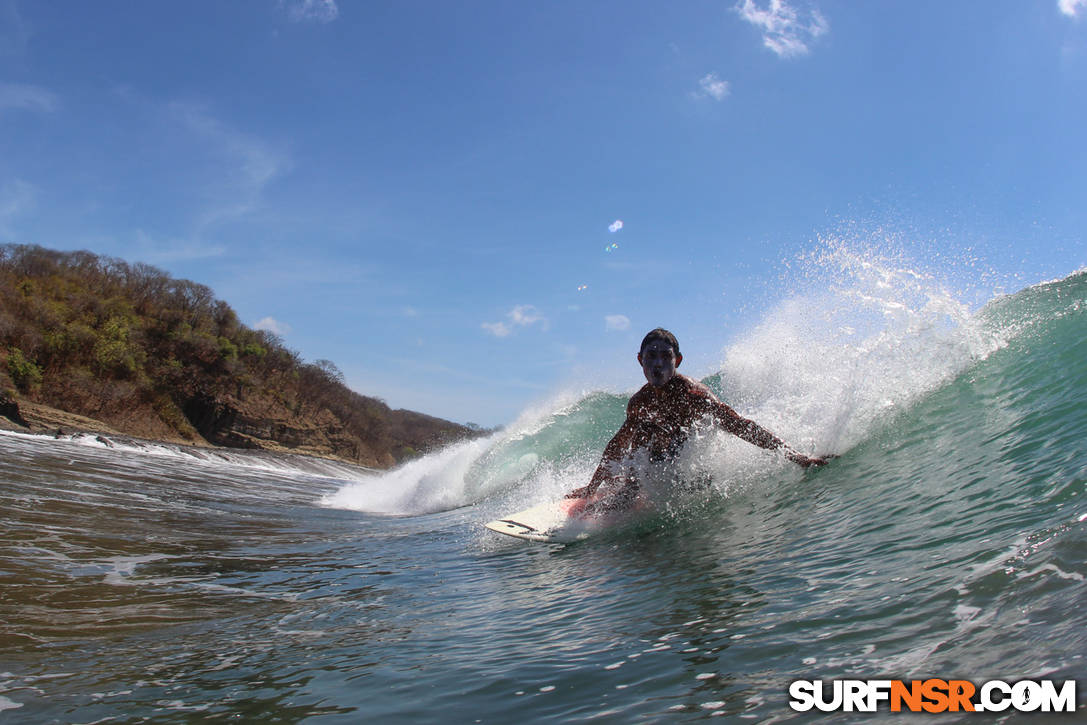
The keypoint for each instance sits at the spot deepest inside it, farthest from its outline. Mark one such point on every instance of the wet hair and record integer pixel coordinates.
(660, 334)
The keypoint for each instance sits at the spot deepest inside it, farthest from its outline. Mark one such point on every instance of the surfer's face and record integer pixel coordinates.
(659, 362)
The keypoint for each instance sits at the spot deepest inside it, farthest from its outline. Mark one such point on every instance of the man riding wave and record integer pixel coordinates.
(660, 418)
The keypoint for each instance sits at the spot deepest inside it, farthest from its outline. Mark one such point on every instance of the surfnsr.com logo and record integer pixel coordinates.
(933, 695)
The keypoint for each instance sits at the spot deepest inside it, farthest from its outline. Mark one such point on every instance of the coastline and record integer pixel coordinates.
(47, 421)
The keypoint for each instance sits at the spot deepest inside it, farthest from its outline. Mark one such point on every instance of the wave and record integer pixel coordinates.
(859, 343)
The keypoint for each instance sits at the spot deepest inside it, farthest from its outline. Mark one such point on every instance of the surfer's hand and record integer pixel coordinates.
(806, 461)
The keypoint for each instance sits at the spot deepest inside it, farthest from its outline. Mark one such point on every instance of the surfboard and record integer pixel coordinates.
(561, 522)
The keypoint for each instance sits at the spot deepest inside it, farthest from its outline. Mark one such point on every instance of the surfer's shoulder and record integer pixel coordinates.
(696, 394)
(640, 398)
(693, 387)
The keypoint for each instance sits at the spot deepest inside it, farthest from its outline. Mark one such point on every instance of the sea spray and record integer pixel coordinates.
(863, 336)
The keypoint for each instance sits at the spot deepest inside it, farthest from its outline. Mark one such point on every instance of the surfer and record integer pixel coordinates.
(661, 415)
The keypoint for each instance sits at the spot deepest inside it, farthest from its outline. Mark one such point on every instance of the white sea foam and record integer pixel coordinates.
(467, 472)
(435, 482)
(9, 704)
(286, 463)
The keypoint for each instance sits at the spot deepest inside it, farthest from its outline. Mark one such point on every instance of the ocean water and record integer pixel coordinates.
(949, 540)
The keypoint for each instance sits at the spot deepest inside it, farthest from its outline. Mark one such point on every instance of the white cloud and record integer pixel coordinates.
(524, 315)
(519, 316)
(713, 87)
(274, 326)
(23, 97)
(615, 226)
(312, 11)
(498, 329)
(616, 323)
(1071, 8)
(784, 31)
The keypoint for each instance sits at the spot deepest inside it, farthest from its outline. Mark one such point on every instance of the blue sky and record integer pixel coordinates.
(425, 192)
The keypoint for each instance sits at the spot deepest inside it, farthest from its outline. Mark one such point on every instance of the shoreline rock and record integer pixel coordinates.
(9, 409)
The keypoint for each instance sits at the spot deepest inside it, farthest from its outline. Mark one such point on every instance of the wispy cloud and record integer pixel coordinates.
(258, 163)
(248, 163)
(1071, 8)
(14, 33)
(784, 30)
(23, 97)
(16, 197)
(519, 316)
(713, 87)
(312, 11)
(167, 250)
(273, 326)
(616, 323)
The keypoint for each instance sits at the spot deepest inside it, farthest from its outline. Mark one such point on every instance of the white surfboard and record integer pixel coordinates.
(561, 522)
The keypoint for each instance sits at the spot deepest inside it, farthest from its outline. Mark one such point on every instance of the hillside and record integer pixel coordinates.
(144, 354)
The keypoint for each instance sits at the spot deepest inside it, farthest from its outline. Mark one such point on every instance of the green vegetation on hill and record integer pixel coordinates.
(158, 357)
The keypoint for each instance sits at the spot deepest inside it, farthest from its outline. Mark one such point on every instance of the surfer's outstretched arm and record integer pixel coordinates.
(618, 447)
(755, 434)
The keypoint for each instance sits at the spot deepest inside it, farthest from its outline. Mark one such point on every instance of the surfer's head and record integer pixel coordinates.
(659, 357)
